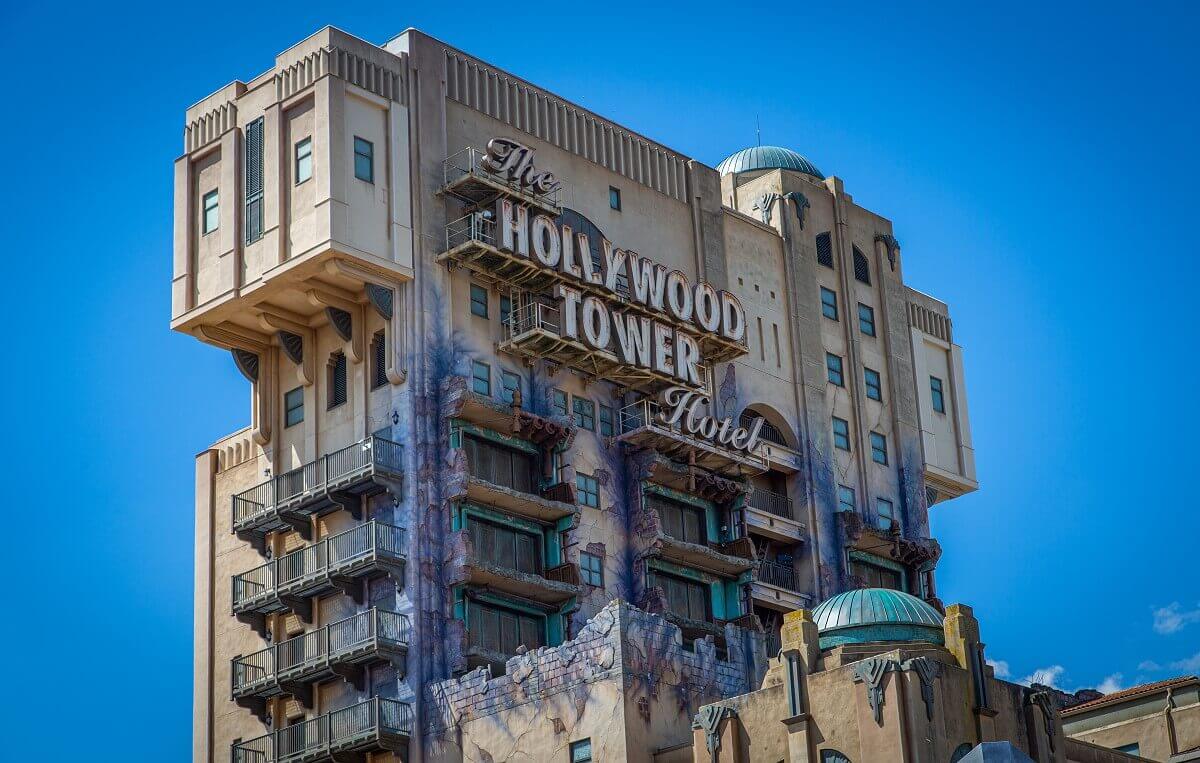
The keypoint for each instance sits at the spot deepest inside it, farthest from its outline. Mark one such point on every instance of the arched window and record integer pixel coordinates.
(960, 752)
(833, 756)
(337, 379)
(769, 432)
(862, 270)
(824, 250)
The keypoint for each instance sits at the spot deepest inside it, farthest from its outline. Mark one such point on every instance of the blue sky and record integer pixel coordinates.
(1038, 162)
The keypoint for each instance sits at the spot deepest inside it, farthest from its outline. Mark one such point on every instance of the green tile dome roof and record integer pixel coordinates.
(767, 158)
(876, 614)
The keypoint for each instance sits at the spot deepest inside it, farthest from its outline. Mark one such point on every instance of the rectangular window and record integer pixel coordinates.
(254, 180)
(614, 198)
(680, 520)
(378, 361)
(507, 467)
(829, 303)
(509, 384)
(879, 448)
(293, 407)
(303, 160)
(875, 576)
(935, 391)
(874, 388)
(885, 513)
(558, 401)
(686, 598)
(866, 319)
(497, 629)
(505, 309)
(506, 547)
(841, 433)
(479, 301)
(825, 249)
(212, 213)
(337, 380)
(591, 569)
(588, 489)
(833, 369)
(846, 498)
(606, 421)
(481, 377)
(585, 413)
(364, 159)
(581, 751)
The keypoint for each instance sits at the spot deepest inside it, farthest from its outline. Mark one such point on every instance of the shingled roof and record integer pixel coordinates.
(1133, 691)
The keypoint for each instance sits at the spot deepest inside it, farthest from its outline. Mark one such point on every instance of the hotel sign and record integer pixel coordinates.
(594, 311)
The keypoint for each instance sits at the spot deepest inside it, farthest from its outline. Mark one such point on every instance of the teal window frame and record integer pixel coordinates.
(559, 401)
(364, 160)
(866, 319)
(879, 449)
(481, 375)
(614, 198)
(509, 384)
(303, 160)
(873, 383)
(937, 394)
(293, 403)
(580, 751)
(846, 499)
(210, 214)
(479, 301)
(606, 418)
(829, 303)
(834, 369)
(841, 434)
(583, 413)
(591, 569)
(505, 309)
(588, 490)
(884, 509)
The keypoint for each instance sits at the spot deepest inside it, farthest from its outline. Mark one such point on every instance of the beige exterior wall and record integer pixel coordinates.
(1161, 724)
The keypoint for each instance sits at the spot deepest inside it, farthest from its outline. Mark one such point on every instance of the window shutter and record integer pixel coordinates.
(379, 358)
(862, 271)
(254, 181)
(824, 250)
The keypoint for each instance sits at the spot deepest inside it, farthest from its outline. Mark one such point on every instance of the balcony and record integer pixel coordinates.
(336, 481)
(533, 332)
(640, 424)
(343, 648)
(553, 587)
(465, 176)
(775, 586)
(726, 559)
(337, 563)
(373, 726)
(772, 515)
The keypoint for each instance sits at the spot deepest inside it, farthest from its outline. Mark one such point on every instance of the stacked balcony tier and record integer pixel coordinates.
(344, 648)
(339, 562)
(375, 725)
(288, 501)
(641, 425)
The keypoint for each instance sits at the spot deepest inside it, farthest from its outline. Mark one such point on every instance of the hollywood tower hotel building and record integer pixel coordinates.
(509, 361)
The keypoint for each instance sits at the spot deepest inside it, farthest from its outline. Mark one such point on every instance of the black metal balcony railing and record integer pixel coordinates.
(776, 574)
(318, 568)
(772, 503)
(376, 724)
(287, 499)
(306, 658)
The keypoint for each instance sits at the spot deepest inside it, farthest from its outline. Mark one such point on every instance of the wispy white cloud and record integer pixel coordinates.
(1048, 676)
(1188, 664)
(1000, 667)
(1149, 665)
(1174, 618)
(1110, 684)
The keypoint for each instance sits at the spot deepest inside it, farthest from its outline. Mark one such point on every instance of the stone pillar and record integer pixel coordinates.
(801, 650)
(962, 640)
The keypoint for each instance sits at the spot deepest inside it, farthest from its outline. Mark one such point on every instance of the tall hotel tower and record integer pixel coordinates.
(510, 361)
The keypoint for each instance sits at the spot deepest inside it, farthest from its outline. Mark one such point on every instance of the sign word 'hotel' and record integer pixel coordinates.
(510, 361)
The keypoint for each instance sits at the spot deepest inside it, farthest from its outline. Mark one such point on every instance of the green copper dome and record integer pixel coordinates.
(767, 158)
(876, 614)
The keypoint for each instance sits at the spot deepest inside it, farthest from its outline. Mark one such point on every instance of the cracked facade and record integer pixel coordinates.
(457, 458)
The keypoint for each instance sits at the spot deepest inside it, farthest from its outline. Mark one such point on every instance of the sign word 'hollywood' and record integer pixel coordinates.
(598, 320)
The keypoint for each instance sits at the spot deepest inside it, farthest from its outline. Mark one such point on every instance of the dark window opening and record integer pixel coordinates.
(679, 520)
(337, 380)
(686, 598)
(378, 361)
(499, 465)
(862, 270)
(825, 250)
(506, 547)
